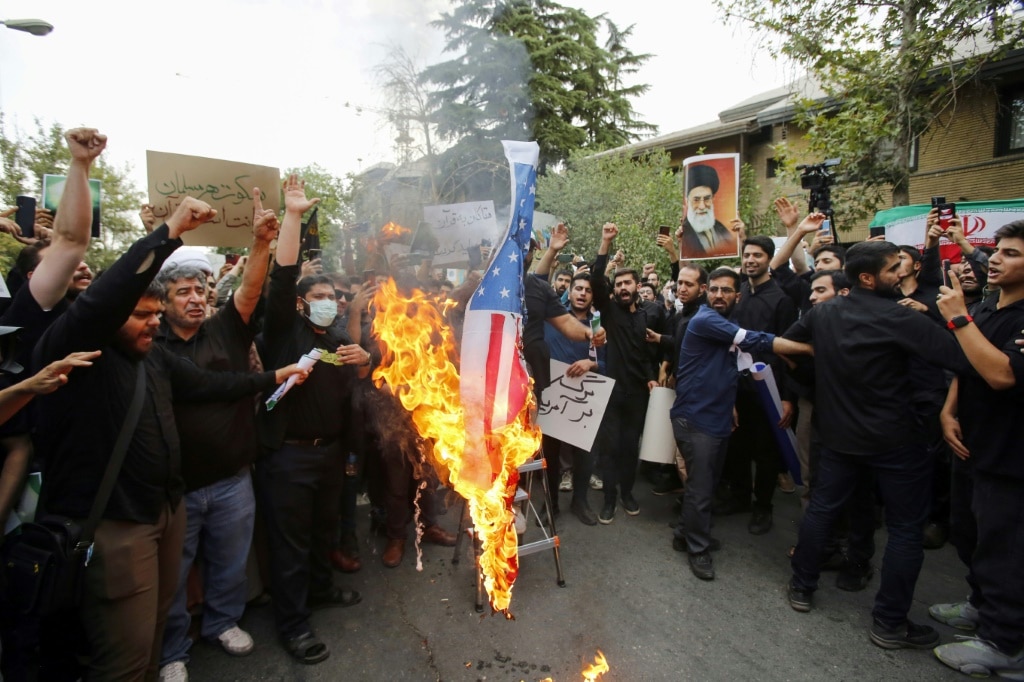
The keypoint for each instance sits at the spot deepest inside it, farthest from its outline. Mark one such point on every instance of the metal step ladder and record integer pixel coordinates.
(524, 497)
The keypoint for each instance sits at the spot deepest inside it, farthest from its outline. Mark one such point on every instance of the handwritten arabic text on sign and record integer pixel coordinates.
(459, 226)
(571, 409)
(225, 185)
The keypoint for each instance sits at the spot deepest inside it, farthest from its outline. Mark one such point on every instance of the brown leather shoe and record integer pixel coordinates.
(344, 562)
(436, 535)
(393, 553)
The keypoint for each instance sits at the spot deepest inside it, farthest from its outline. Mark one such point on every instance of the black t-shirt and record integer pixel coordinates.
(541, 303)
(219, 438)
(863, 344)
(989, 418)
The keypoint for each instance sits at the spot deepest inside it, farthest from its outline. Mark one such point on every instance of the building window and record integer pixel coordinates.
(1010, 130)
(773, 168)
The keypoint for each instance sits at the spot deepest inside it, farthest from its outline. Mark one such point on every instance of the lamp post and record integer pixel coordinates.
(36, 27)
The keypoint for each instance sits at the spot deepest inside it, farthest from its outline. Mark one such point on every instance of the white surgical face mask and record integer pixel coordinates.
(323, 312)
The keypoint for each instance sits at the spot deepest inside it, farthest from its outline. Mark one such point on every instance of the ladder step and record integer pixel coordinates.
(521, 495)
(538, 546)
(533, 465)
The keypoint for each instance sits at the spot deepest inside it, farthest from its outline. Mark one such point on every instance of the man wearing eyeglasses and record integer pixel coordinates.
(703, 415)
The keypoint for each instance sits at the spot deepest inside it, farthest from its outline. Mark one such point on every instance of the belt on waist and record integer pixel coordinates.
(310, 442)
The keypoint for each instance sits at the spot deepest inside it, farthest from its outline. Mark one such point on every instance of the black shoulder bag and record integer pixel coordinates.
(45, 564)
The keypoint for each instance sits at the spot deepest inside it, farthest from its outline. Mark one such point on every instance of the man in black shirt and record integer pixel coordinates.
(305, 438)
(218, 444)
(634, 376)
(763, 307)
(978, 422)
(863, 344)
(134, 568)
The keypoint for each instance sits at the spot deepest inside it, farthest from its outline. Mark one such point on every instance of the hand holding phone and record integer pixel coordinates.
(26, 215)
(664, 230)
(946, 265)
(946, 212)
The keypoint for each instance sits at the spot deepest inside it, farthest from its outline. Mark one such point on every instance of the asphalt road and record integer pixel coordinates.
(627, 593)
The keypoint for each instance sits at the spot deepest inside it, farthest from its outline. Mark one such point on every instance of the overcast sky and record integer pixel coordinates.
(266, 81)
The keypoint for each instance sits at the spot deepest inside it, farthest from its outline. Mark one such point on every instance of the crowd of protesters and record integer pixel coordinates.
(901, 388)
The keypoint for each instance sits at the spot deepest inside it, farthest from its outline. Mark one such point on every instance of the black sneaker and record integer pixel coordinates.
(729, 507)
(854, 577)
(760, 522)
(907, 636)
(800, 600)
(702, 565)
(607, 514)
(630, 504)
(584, 513)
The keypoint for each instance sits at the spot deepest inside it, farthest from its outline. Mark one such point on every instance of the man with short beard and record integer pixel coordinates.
(137, 546)
(634, 376)
(577, 354)
(563, 278)
(863, 344)
(703, 235)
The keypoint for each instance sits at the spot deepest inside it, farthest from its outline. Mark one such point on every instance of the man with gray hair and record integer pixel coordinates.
(218, 444)
(703, 235)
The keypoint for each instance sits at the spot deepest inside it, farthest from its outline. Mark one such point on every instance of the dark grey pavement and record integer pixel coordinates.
(628, 593)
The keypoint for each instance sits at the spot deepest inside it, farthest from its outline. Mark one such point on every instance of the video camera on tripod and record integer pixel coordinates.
(819, 180)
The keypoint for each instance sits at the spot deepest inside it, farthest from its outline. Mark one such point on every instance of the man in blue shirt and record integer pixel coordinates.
(581, 358)
(703, 416)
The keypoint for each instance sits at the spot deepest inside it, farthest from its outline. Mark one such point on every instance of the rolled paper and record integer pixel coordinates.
(658, 444)
(305, 362)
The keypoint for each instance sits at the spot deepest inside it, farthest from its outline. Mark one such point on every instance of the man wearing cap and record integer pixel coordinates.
(218, 444)
(703, 235)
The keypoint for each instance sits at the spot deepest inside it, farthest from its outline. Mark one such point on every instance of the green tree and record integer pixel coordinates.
(26, 158)
(334, 210)
(637, 194)
(888, 68)
(527, 69)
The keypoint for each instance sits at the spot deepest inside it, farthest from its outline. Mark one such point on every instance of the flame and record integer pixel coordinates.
(393, 231)
(597, 669)
(419, 347)
(591, 672)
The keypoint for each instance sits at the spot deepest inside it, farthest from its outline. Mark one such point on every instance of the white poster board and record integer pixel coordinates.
(571, 408)
(458, 227)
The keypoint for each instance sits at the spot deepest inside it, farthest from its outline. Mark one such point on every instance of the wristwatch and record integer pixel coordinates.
(959, 321)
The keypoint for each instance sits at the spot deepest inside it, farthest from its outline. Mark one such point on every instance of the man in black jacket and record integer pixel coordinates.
(133, 572)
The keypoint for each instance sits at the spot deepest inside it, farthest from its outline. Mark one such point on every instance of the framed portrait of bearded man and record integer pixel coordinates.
(710, 203)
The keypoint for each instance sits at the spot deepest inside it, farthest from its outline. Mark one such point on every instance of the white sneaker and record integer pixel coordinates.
(174, 672)
(236, 641)
(596, 483)
(566, 485)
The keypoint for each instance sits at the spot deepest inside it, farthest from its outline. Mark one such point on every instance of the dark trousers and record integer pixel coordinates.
(402, 483)
(963, 529)
(704, 456)
(752, 442)
(904, 478)
(300, 488)
(998, 561)
(620, 432)
(582, 468)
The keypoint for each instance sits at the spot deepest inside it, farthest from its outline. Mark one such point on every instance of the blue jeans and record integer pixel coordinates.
(904, 478)
(221, 518)
(704, 456)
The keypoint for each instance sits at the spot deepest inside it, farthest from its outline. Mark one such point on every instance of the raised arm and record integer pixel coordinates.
(295, 204)
(990, 362)
(264, 231)
(73, 223)
(791, 248)
(559, 239)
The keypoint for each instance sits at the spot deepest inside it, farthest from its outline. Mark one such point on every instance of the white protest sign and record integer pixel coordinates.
(571, 408)
(224, 185)
(458, 227)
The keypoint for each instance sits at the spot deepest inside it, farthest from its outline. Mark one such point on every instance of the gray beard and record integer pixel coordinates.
(702, 224)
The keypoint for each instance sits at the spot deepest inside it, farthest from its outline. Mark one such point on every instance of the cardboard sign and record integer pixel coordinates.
(457, 227)
(571, 409)
(224, 185)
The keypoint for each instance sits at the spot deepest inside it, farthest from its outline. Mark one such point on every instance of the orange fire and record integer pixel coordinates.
(598, 668)
(419, 368)
(393, 231)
